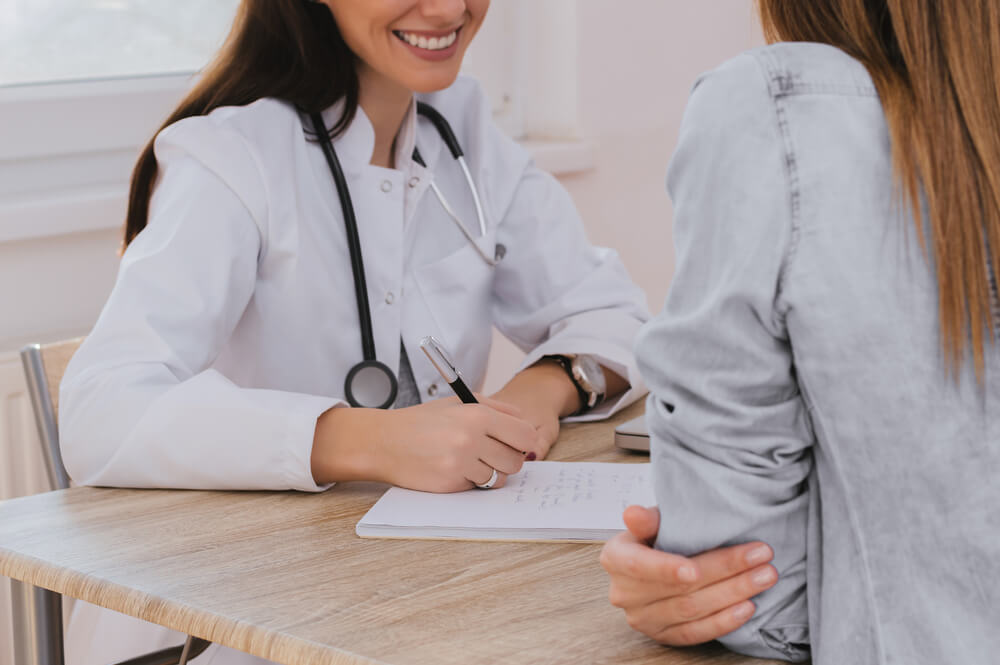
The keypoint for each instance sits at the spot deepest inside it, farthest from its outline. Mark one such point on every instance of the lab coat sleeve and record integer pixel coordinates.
(731, 439)
(140, 404)
(558, 294)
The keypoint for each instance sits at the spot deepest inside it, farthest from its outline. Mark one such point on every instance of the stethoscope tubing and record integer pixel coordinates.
(370, 362)
(353, 239)
(461, 227)
(480, 215)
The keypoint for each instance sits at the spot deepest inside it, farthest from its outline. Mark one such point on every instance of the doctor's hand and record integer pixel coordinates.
(682, 601)
(542, 393)
(440, 446)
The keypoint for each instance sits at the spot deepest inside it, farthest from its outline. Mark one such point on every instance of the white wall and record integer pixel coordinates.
(636, 62)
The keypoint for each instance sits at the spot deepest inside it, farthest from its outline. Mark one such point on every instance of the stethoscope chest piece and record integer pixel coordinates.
(371, 384)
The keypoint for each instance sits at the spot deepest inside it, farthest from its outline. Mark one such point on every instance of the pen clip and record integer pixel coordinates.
(439, 357)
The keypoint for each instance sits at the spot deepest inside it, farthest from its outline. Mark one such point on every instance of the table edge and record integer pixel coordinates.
(183, 618)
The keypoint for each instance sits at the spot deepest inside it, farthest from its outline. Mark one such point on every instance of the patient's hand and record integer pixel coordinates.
(677, 600)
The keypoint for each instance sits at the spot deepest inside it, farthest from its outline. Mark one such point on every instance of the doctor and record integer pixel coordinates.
(276, 282)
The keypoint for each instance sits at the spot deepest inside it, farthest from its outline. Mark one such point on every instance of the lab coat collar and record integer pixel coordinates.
(357, 143)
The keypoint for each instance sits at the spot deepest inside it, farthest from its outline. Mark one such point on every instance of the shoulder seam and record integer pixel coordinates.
(259, 217)
(783, 83)
(773, 77)
(262, 224)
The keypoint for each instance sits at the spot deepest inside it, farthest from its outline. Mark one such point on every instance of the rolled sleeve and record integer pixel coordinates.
(731, 439)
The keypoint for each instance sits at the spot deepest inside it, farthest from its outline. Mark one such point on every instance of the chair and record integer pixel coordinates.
(44, 366)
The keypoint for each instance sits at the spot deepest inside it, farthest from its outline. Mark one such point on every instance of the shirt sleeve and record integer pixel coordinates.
(140, 405)
(731, 438)
(558, 294)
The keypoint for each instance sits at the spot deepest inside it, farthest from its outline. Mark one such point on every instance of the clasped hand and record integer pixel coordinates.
(677, 600)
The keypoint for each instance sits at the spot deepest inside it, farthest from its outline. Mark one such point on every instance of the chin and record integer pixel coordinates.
(431, 81)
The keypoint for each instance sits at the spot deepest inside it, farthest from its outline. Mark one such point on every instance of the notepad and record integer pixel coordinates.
(545, 501)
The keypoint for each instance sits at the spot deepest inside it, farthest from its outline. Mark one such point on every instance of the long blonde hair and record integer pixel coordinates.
(936, 66)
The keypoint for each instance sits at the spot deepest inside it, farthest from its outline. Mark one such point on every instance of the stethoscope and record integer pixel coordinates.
(370, 383)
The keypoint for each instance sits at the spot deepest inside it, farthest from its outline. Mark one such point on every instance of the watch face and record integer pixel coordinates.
(589, 375)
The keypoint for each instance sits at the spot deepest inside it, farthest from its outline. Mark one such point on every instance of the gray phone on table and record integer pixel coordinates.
(633, 435)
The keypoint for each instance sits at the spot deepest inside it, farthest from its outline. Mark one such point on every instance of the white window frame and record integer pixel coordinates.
(61, 175)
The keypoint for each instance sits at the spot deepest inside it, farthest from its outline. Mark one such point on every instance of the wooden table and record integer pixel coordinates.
(283, 576)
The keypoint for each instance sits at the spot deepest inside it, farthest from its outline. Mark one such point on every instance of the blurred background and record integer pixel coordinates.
(594, 88)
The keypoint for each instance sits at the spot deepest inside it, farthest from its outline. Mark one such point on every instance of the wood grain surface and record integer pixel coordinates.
(283, 576)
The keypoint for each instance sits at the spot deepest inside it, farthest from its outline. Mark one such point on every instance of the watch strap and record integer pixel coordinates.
(567, 364)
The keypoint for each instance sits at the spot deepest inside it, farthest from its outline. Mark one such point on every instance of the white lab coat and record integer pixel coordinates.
(233, 321)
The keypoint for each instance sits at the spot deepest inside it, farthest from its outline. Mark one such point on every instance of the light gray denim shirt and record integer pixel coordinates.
(811, 409)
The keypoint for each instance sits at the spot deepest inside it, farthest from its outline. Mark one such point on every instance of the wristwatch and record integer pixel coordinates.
(587, 376)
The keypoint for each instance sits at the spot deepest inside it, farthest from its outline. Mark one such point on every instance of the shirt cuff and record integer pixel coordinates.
(298, 441)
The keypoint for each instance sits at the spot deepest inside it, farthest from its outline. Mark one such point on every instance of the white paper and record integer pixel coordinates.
(545, 500)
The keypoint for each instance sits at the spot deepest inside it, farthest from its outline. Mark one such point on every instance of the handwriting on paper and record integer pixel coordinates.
(573, 485)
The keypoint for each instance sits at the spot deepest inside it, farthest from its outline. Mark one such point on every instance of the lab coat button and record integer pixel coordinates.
(414, 181)
(432, 390)
(390, 297)
(386, 186)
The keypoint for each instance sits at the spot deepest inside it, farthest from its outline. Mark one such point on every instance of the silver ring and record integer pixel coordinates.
(489, 483)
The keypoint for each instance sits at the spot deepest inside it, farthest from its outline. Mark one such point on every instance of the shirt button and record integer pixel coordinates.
(432, 390)
(390, 297)
(414, 181)
(386, 186)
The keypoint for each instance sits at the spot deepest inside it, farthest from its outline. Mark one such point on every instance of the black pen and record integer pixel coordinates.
(441, 360)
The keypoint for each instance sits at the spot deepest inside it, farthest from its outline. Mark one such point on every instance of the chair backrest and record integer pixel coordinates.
(44, 366)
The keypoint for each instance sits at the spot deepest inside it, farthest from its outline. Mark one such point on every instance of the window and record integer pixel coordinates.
(44, 41)
(85, 83)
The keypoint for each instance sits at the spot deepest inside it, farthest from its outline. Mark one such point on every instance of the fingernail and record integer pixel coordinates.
(686, 574)
(758, 555)
(764, 576)
(743, 611)
(531, 457)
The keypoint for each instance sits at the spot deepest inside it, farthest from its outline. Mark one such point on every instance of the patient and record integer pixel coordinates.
(825, 374)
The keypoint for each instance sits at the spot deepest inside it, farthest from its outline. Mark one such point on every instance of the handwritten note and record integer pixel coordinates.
(574, 484)
(545, 501)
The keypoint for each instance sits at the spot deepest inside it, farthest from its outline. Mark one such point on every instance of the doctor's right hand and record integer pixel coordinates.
(440, 446)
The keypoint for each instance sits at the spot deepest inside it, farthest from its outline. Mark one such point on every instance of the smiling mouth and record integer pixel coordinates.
(420, 41)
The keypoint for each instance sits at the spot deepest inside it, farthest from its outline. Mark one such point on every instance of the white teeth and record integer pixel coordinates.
(431, 44)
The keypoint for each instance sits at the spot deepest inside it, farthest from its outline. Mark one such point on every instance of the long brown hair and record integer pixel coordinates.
(936, 66)
(286, 49)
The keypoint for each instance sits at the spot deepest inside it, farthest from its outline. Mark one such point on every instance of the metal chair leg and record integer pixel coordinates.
(179, 655)
(186, 652)
(38, 625)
